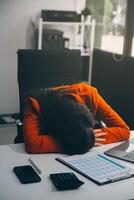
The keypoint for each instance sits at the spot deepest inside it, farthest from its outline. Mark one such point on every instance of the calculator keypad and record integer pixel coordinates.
(65, 181)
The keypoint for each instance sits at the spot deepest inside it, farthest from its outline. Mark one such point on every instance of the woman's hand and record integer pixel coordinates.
(99, 137)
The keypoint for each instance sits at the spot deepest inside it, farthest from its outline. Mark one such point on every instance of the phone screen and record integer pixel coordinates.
(26, 174)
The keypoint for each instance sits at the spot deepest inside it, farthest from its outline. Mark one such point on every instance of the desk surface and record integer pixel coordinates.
(11, 189)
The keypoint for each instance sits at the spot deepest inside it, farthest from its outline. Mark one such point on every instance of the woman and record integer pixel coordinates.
(61, 119)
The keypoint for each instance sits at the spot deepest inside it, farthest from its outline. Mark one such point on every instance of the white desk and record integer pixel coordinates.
(11, 189)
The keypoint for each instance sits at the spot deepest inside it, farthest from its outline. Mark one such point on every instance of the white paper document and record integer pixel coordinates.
(98, 167)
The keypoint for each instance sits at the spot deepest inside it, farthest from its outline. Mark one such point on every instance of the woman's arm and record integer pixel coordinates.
(116, 129)
(35, 141)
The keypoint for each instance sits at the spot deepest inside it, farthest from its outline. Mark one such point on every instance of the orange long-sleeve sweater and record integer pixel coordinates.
(36, 142)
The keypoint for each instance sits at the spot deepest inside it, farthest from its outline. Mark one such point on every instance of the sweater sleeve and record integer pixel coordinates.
(117, 130)
(35, 141)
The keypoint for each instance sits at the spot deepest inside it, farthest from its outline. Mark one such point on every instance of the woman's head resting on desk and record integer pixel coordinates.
(68, 121)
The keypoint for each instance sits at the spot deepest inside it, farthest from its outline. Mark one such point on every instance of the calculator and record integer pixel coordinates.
(66, 181)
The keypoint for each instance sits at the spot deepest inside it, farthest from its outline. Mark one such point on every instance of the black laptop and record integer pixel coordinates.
(124, 151)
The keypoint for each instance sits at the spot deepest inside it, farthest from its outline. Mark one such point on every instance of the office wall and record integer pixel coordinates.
(15, 33)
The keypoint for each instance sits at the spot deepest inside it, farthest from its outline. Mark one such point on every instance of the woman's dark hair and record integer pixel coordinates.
(68, 121)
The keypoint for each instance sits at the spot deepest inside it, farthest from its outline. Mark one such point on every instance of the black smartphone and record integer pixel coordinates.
(26, 174)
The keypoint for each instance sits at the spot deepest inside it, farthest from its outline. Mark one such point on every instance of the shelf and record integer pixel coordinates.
(67, 23)
(76, 45)
(91, 24)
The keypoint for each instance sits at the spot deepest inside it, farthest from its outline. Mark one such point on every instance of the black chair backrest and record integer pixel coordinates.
(41, 69)
(115, 82)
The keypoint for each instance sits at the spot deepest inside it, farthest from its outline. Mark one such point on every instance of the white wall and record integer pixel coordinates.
(15, 33)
